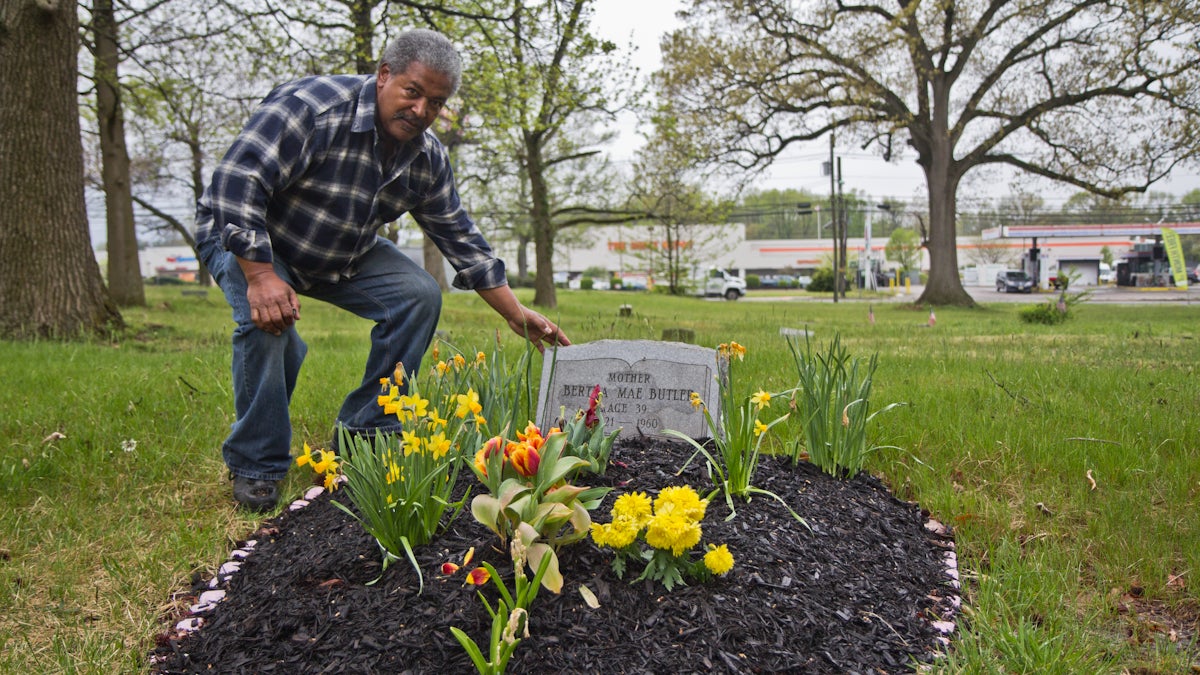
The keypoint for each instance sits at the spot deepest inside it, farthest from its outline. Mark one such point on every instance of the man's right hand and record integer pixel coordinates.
(274, 306)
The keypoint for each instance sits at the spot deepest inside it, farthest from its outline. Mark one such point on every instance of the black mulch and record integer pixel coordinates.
(856, 594)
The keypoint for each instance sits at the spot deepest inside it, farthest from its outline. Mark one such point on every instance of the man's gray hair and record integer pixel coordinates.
(429, 48)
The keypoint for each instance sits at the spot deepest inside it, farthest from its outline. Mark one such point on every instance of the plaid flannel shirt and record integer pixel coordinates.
(305, 184)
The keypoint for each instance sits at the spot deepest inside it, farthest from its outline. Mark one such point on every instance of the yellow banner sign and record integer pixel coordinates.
(1175, 256)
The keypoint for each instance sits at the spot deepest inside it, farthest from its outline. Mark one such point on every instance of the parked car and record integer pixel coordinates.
(1107, 274)
(1013, 281)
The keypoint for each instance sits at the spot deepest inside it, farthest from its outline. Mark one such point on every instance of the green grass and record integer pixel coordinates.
(1004, 422)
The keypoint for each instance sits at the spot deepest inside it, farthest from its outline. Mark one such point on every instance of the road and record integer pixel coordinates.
(1118, 295)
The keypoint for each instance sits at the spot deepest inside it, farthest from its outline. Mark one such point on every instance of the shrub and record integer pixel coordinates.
(822, 281)
(586, 284)
(752, 281)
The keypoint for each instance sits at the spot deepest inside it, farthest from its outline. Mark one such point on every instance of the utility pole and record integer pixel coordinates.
(843, 231)
(833, 215)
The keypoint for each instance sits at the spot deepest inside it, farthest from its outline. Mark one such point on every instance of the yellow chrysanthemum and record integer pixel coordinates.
(674, 531)
(759, 428)
(761, 398)
(718, 560)
(635, 506)
(682, 500)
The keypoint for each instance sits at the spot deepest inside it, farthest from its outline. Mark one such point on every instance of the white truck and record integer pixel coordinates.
(717, 283)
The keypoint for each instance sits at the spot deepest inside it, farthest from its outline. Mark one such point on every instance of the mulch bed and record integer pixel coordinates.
(859, 593)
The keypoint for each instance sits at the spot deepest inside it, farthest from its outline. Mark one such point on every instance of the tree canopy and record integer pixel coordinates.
(1099, 94)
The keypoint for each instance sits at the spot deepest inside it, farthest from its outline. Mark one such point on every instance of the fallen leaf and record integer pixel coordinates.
(589, 597)
(1091, 481)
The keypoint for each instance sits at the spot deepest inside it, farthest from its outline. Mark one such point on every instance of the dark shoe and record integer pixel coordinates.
(254, 494)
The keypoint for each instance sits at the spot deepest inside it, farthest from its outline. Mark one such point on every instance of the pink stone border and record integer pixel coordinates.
(946, 623)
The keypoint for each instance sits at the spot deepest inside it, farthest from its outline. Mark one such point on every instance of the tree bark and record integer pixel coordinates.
(50, 283)
(544, 294)
(432, 260)
(124, 268)
(936, 156)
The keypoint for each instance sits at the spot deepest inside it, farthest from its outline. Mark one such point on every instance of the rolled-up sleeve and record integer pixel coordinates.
(442, 217)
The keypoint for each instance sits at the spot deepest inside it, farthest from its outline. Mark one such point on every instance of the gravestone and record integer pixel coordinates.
(646, 385)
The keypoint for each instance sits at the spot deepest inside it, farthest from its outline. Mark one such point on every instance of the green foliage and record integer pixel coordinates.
(1054, 312)
(510, 616)
(528, 491)
(904, 247)
(587, 437)
(833, 407)
(995, 426)
(752, 281)
(738, 436)
(822, 281)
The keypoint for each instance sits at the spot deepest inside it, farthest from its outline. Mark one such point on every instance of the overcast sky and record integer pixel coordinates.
(644, 21)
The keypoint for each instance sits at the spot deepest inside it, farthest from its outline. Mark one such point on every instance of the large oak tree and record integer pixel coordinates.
(1098, 94)
(50, 283)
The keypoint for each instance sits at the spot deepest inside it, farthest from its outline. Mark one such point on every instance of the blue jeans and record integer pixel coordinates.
(390, 289)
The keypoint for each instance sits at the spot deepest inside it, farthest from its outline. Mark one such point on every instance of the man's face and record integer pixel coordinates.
(408, 102)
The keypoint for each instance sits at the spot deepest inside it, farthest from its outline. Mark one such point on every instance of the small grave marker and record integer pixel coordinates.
(646, 385)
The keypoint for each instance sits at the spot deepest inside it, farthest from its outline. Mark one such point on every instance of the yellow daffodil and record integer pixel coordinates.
(480, 422)
(410, 442)
(306, 457)
(761, 398)
(441, 368)
(696, 400)
(437, 445)
(459, 361)
(480, 357)
(759, 428)
(327, 463)
(398, 374)
(467, 403)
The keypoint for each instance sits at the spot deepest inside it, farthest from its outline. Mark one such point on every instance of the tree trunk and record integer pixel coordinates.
(522, 257)
(544, 294)
(943, 287)
(124, 269)
(433, 262)
(50, 283)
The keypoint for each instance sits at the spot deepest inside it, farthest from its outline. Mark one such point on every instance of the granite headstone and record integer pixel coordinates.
(646, 385)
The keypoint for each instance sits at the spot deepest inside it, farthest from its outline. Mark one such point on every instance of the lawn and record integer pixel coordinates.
(1066, 458)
